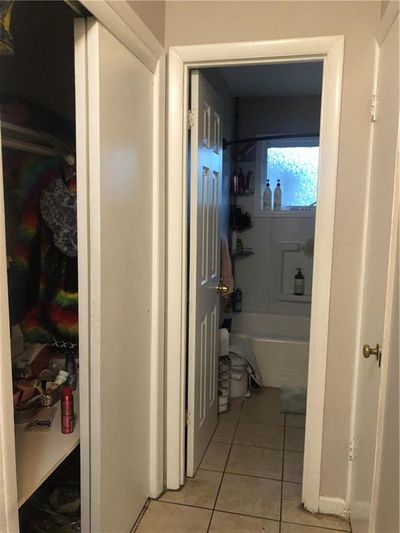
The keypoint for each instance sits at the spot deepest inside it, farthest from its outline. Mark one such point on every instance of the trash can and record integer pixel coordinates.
(239, 377)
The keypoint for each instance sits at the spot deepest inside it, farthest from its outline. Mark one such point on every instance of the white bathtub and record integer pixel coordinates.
(280, 344)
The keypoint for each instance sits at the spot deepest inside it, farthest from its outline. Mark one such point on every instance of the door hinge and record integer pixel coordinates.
(190, 119)
(187, 417)
(352, 448)
(374, 103)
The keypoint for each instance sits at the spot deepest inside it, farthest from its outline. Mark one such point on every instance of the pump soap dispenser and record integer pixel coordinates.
(299, 283)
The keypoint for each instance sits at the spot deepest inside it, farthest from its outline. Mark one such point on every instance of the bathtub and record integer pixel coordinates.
(280, 344)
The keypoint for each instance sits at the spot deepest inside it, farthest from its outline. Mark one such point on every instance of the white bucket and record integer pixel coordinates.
(239, 377)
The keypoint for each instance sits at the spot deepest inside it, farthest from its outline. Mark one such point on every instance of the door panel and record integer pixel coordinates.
(119, 107)
(376, 272)
(206, 170)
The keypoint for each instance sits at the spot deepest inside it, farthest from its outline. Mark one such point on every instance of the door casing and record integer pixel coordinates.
(181, 59)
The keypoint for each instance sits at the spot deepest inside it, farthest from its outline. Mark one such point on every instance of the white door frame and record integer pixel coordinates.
(181, 59)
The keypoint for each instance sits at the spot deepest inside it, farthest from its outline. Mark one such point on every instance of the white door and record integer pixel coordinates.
(376, 273)
(205, 198)
(114, 96)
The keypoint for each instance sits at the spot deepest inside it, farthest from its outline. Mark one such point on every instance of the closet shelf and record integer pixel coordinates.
(39, 454)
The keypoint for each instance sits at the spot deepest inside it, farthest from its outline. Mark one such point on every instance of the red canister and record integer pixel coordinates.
(67, 410)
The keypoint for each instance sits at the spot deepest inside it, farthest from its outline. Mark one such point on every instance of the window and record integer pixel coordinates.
(294, 162)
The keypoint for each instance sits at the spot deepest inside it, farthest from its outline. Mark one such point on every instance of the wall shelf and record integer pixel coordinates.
(245, 253)
(38, 454)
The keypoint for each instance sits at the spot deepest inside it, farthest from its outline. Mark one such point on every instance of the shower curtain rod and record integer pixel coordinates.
(226, 143)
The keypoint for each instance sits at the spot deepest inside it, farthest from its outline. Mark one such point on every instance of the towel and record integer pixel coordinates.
(226, 265)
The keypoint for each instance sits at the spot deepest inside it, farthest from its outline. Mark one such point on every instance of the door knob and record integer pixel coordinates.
(222, 288)
(367, 351)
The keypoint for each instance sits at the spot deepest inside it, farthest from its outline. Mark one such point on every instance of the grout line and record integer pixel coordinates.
(223, 473)
(318, 527)
(283, 472)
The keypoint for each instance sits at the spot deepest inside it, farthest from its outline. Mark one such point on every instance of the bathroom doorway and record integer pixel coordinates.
(253, 177)
(251, 189)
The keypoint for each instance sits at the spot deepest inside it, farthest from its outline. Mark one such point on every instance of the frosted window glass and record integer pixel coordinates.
(297, 169)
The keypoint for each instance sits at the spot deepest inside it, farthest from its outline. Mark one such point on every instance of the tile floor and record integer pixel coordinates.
(249, 480)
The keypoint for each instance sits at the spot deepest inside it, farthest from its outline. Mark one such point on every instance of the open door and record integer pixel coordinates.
(205, 198)
(374, 308)
(114, 95)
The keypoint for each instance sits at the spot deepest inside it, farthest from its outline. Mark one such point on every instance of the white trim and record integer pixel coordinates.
(335, 506)
(181, 59)
(158, 288)
(82, 174)
(8, 472)
(122, 21)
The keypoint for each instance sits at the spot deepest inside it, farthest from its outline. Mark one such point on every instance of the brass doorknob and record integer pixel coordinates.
(367, 351)
(222, 288)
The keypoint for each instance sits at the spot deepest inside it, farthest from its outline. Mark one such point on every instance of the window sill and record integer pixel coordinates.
(310, 213)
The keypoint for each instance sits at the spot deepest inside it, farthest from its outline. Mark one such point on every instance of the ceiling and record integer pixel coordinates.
(282, 79)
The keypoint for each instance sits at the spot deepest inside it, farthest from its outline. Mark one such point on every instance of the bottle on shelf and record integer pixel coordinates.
(237, 301)
(235, 183)
(267, 197)
(249, 181)
(278, 196)
(234, 238)
(299, 283)
(241, 180)
(239, 246)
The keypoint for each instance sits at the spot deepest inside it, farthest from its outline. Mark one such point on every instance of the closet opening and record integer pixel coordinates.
(37, 110)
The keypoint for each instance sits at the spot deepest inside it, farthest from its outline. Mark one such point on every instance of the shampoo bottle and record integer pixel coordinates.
(299, 283)
(278, 196)
(267, 197)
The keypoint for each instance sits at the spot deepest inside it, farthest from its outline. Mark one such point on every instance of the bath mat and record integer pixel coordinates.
(293, 400)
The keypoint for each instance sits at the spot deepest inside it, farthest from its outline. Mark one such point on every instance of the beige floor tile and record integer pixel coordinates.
(297, 421)
(293, 511)
(215, 456)
(254, 461)
(225, 431)
(293, 467)
(200, 491)
(294, 439)
(296, 528)
(262, 411)
(264, 435)
(233, 523)
(233, 413)
(250, 496)
(162, 517)
(267, 395)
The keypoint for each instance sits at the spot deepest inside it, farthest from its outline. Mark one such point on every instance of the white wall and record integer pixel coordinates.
(192, 22)
(264, 277)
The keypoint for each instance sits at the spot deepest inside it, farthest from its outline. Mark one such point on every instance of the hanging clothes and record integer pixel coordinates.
(46, 250)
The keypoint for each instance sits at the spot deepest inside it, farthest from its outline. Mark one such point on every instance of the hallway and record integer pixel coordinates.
(249, 479)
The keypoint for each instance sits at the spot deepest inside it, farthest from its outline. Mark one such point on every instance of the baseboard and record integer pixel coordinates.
(335, 506)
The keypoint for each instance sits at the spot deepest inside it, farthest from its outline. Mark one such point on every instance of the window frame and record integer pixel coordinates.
(260, 176)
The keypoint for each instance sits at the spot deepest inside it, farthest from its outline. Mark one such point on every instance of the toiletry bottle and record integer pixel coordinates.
(235, 183)
(234, 241)
(239, 246)
(237, 301)
(267, 197)
(241, 180)
(249, 181)
(67, 410)
(278, 196)
(299, 283)
(70, 367)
